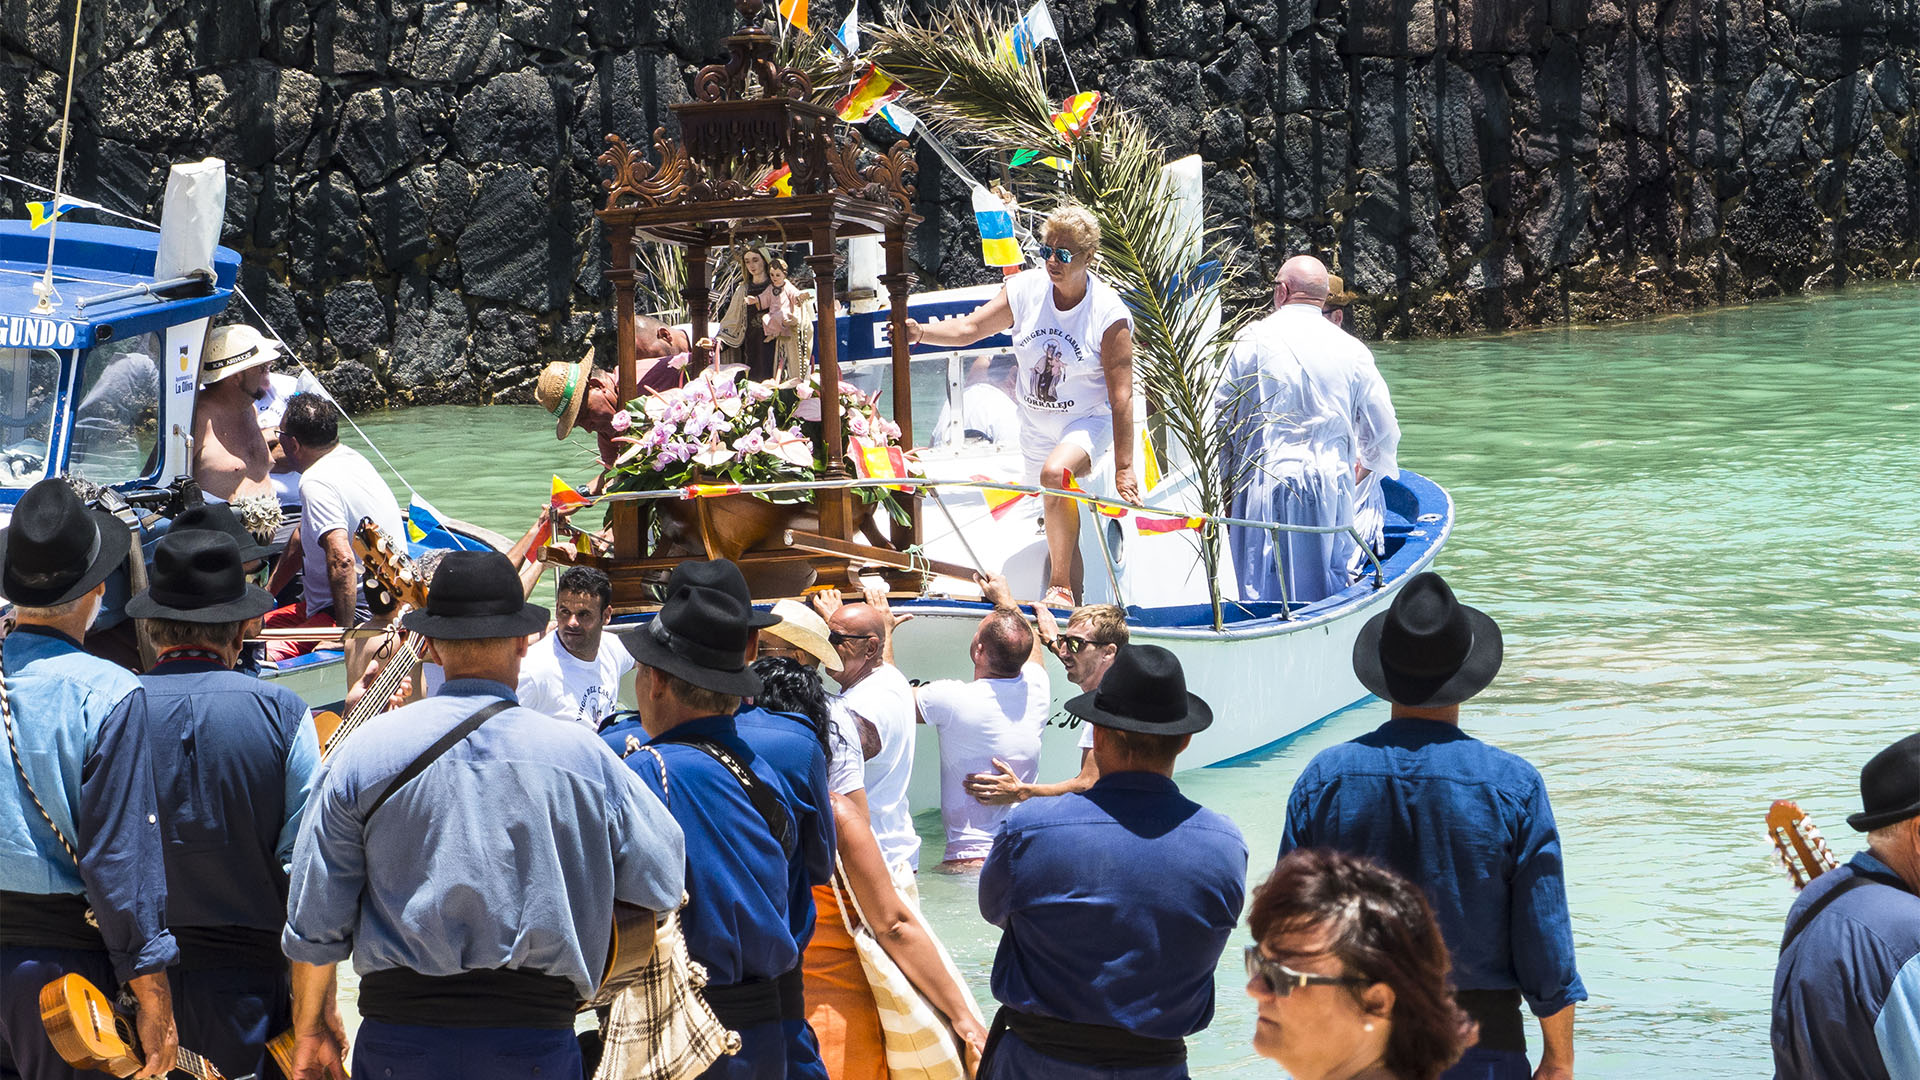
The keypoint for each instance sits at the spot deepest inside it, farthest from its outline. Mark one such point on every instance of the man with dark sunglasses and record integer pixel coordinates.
(877, 694)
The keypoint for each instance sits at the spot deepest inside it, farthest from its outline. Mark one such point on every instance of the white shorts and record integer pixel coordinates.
(1041, 432)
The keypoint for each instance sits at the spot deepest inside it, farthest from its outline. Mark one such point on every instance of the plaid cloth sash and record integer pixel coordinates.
(660, 1028)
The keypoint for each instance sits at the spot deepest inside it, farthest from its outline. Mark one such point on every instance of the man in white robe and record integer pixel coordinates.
(1310, 420)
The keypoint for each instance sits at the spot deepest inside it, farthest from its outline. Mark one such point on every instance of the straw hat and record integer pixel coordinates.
(1337, 294)
(232, 350)
(561, 388)
(802, 627)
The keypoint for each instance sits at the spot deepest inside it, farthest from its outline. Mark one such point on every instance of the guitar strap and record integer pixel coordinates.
(433, 753)
(771, 809)
(13, 745)
(1860, 878)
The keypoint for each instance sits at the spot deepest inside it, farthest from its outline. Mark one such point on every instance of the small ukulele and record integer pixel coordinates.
(1798, 843)
(89, 1033)
(384, 567)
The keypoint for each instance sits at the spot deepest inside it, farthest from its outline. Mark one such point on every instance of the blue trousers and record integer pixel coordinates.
(803, 1051)
(25, 1051)
(226, 1015)
(1481, 1064)
(762, 1056)
(414, 1052)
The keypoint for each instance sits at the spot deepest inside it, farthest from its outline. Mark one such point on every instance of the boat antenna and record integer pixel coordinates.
(44, 287)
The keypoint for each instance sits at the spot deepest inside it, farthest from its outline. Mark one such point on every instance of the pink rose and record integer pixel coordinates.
(621, 421)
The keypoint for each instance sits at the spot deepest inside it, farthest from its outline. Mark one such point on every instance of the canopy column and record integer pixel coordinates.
(834, 519)
(899, 283)
(621, 274)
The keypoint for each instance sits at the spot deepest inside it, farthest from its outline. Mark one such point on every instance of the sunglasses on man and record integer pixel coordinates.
(835, 637)
(1066, 254)
(1281, 980)
(1069, 645)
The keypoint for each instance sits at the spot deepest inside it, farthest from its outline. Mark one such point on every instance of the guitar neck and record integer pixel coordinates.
(201, 1068)
(397, 668)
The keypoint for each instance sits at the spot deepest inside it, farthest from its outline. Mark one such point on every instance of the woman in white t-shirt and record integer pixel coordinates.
(1074, 339)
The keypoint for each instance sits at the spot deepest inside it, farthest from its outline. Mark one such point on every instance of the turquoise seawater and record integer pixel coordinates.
(1697, 535)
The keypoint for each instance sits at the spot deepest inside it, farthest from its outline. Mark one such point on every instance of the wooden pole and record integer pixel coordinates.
(621, 274)
(834, 519)
(696, 293)
(899, 283)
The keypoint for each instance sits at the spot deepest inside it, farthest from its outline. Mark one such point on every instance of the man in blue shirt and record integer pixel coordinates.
(1115, 902)
(1846, 996)
(798, 754)
(739, 817)
(233, 760)
(468, 854)
(1468, 823)
(83, 889)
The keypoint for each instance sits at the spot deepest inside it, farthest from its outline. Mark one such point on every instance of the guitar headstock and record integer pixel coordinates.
(385, 565)
(1798, 843)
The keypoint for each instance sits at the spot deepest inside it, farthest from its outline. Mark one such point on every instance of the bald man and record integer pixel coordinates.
(876, 694)
(1308, 418)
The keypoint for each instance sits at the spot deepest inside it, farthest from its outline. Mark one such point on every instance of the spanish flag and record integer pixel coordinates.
(795, 12)
(1075, 114)
(780, 181)
(879, 463)
(1108, 511)
(562, 497)
(1167, 525)
(868, 96)
(997, 245)
(999, 502)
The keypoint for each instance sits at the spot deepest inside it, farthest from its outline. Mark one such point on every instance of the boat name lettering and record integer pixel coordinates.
(26, 332)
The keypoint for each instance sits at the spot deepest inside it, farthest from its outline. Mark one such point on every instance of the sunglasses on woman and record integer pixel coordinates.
(1281, 980)
(1066, 255)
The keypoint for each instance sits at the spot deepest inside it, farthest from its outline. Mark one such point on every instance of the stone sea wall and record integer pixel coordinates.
(412, 181)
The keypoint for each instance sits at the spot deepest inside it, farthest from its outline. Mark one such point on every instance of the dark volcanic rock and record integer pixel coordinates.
(1843, 114)
(382, 135)
(1182, 28)
(357, 320)
(1776, 118)
(1775, 230)
(430, 345)
(496, 258)
(326, 242)
(510, 118)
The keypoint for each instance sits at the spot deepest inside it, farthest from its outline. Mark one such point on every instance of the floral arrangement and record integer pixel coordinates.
(719, 427)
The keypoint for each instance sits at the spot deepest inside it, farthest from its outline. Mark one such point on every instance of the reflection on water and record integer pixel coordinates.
(1696, 535)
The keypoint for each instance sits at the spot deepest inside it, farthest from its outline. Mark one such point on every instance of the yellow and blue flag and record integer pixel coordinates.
(995, 218)
(39, 213)
(1023, 41)
(849, 33)
(424, 528)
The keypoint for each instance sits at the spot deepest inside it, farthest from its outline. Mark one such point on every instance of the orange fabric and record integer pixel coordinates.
(839, 1001)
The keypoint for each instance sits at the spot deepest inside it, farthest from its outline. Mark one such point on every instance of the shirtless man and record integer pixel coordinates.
(231, 461)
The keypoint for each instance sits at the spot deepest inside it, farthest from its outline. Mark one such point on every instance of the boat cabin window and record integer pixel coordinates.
(117, 425)
(978, 406)
(29, 389)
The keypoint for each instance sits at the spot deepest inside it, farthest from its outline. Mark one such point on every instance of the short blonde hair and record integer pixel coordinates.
(1075, 225)
(1106, 622)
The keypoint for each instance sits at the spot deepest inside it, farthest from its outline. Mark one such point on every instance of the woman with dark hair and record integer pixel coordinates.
(788, 687)
(1350, 973)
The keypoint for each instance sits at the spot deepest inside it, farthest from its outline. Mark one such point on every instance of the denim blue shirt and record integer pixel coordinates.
(788, 743)
(1846, 996)
(507, 852)
(1470, 824)
(81, 723)
(735, 921)
(233, 762)
(1115, 905)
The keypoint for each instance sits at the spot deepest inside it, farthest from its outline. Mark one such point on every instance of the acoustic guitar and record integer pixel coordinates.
(384, 567)
(88, 1032)
(1798, 843)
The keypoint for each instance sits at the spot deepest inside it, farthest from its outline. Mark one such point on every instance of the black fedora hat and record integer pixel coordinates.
(475, 594)
(700, 635)
(56, 550)
(1427, 648)
(219, 517)
(723, 576)
(1144, 690)
(198, 576)
(1889, 786)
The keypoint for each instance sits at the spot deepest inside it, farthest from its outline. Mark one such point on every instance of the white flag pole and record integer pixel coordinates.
(1055, 35)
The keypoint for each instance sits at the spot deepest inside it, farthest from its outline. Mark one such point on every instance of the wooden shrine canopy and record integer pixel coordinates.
(749, 118)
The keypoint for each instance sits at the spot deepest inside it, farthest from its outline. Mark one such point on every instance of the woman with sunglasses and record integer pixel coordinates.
(1073, 337)
(1350, 973)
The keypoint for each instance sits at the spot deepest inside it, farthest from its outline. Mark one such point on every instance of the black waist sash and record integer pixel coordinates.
(1094, 1045)
(497, 997)
(759, 1001)
(1498, 1014)
(203, 947)
(48, 921)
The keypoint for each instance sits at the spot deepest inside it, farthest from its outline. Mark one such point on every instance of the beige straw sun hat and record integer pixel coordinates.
(561, 388)
(804, 629)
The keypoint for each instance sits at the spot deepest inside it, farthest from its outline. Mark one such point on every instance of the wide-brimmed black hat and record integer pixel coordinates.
(475, 594)
(700, 635)
(1890, 786)
(198, 576)
(1427, 648)
(1144, 690)
(721, 575)
(219, 517)
(56, 550)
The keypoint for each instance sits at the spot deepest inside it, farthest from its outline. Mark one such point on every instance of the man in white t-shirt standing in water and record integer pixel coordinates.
(574, 673)
(1074, 339)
